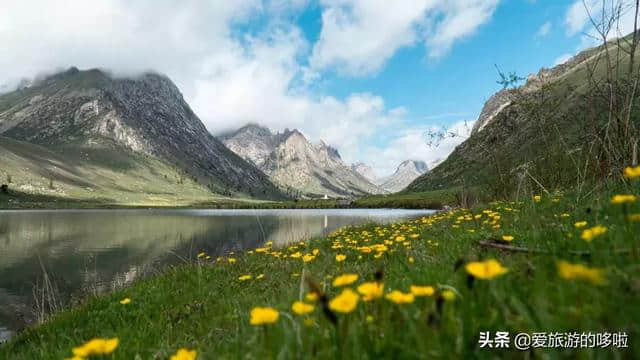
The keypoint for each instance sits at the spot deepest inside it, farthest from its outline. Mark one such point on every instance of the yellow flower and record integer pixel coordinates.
(399, 297)
(589, 234)
(369, 319)
(371, 290)
(261, 276)
(400, 238)
(96, 346)
(634, 217)
(422, 290)
(346, 302)
(340, 257)
(296, 255)
(567, 270)
(507, 237)
(537, 198)
(232, 260)
(621, 199)
(184, 354)
(125, 301)
(448, 295)
(345, 279)
(315, 252)
(411, 260)
(485, 269)
(632, 173)
(301, 308)
(580, 224)
(201, 255)
(263, 315)
(245, 277)
(312, 296)
(308, 258)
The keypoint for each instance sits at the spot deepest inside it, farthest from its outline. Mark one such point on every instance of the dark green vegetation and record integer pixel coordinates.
(570, 127)
(204, 306)
(412, 200)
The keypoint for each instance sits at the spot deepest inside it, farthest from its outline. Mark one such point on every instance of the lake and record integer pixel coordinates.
(62, 255)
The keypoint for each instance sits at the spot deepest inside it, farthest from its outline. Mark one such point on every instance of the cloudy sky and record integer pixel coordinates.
(369, 77)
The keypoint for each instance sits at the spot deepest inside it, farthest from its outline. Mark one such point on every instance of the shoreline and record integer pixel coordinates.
(428, 200)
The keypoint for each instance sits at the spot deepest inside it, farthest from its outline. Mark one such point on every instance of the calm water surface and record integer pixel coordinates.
(85, 251)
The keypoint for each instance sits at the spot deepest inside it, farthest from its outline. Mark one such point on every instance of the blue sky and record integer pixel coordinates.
(369, 77)
(462, 80)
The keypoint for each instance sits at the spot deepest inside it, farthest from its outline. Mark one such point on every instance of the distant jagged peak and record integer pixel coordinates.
(365, 170)
(331, 151)
(415, 165)
(252, 128)
(405, 173)
(287, 133)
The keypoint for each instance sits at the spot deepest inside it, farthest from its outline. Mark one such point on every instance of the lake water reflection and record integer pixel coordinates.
(97, 250)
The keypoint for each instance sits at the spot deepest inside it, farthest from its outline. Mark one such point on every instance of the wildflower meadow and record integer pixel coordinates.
(425, 288)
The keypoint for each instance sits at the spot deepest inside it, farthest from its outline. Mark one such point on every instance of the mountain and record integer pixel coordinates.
(365, 170)
(405, 173)
(547, 133)
(293, 162)
(144, 118)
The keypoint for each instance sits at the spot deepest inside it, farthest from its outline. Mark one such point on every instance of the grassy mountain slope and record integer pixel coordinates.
(104, 174)
(545, 138)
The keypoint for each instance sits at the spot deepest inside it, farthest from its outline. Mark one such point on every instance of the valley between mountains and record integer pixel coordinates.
(86, 138)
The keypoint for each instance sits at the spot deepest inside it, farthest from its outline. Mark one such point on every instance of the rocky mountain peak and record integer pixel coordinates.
(365, 170)
(250, 129)
(292, 161)
(413, 165)
(405, 173)
(145, 114)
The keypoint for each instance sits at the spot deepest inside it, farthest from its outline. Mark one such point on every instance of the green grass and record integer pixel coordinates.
(203, 306)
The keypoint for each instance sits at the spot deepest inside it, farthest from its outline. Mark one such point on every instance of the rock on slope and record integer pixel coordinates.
(144, 115)
(292, 161)
(405, 173)
(365, 170)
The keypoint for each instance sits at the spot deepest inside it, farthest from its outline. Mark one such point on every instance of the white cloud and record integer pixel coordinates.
(124, 36)
(577, 17)
(230, 79)
(544, 29)
(359, 36)
(460, 18)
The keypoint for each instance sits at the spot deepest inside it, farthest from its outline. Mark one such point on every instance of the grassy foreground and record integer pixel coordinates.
(535, 287)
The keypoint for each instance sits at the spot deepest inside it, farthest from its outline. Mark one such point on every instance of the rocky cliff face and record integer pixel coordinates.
(405, 173)
(504, 98)
(365, 170)
(145, 115)
(292, 161)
